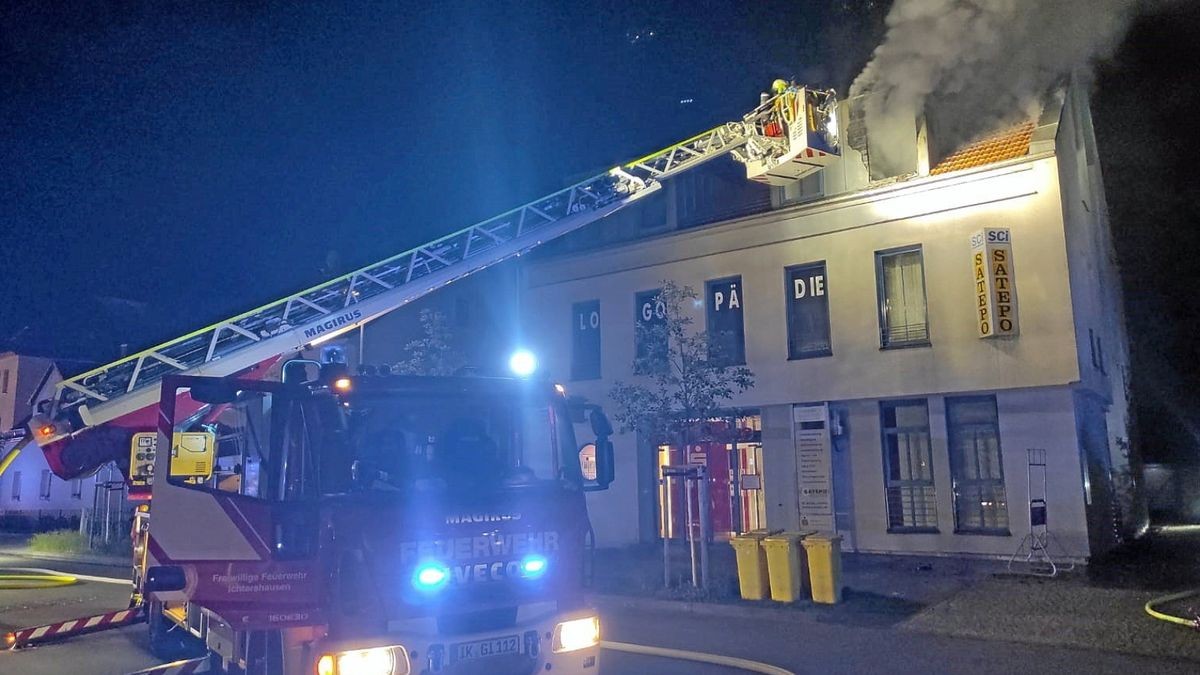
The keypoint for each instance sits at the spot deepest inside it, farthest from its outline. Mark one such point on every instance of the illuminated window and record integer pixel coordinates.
(908, 466)
(980, 503)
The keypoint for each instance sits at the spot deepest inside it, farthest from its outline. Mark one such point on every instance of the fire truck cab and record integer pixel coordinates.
(376, 525)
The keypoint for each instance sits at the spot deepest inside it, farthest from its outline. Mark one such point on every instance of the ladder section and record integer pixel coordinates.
(341, 304)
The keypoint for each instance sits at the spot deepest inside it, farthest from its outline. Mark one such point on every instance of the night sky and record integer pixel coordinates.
(161, 168)
(163, 165)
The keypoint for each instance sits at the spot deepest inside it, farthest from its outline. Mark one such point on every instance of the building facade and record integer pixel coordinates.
(933, 351)
(30, 495)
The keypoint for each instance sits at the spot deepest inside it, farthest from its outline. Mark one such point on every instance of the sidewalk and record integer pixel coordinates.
(943, 596)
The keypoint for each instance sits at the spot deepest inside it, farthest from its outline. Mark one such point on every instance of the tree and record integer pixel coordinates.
(436, 352)
(685, 382)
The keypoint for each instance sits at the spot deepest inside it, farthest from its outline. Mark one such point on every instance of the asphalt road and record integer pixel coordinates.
(808, 647)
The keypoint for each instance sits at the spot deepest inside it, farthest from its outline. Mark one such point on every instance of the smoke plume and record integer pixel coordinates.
(975, 65)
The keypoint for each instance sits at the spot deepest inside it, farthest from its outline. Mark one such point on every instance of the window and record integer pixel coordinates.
(77, 488)
(650, 332)
(47, 479)
(585, 340)
(900, 275)
(16, 488)
(908, 466)
(4, 381)
(726, 334)
(980, 504)
(807, 311)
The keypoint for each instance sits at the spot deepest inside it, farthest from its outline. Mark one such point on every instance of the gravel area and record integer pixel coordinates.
(1063, 611)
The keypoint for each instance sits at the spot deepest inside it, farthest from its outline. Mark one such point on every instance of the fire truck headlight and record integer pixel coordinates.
(576, 634)
(430, 576)
(533, 566)
(374, 661)
(522, 363)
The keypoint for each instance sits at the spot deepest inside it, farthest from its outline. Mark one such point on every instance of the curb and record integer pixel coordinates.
(104, 561)
(605, 601)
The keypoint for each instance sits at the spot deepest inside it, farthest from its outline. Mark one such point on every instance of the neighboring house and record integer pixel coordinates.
(903, 383)
(29, 493)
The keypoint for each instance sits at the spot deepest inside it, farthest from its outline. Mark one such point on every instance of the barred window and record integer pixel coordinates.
(908, 466)
(980, 503)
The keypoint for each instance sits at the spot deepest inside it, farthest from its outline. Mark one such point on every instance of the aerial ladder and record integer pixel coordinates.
(92, 417)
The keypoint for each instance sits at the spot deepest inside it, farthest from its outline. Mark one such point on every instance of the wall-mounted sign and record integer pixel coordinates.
(585, 340)
(808, 311)
(726, 327)
(994, 283)
(814, 460)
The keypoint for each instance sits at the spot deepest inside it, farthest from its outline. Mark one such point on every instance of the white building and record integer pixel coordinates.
(29, 493)
(887, 405)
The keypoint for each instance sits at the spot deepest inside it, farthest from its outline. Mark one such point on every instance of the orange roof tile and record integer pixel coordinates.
(1008, 144)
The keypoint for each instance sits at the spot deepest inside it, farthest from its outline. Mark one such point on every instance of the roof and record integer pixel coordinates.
(1008, 144)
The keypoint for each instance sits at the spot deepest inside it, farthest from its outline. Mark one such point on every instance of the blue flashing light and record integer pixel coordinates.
(430, 576)
(533, 566)
(522, 363)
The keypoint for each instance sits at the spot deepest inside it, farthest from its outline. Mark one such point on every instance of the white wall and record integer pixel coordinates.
(940, 214)
(1029, 418)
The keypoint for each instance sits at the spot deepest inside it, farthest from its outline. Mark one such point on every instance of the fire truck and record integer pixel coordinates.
(307, 521)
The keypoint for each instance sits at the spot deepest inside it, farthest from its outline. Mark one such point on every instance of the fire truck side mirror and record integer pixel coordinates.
(596, 461)
(600, 424)
(165, 578)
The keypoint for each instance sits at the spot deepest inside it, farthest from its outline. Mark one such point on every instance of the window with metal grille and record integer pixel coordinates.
(47, 479)
(908, 466)
(903, 319)
(980, 503)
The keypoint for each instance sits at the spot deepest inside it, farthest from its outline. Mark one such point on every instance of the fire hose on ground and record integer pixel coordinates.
(700, 657)
(1150, 607)
(34, 580)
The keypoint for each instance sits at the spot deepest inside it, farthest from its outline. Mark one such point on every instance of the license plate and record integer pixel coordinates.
(480, 649)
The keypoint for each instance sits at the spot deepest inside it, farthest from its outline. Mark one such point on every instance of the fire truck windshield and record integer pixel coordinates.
(283, 444)
(423, 442)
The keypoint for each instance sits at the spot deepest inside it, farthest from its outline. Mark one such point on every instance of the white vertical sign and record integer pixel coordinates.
(814, 466)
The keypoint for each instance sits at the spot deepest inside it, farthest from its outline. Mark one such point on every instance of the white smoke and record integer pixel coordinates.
(975, 65)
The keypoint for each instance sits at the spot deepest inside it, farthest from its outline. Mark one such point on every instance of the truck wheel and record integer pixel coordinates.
(164, 643)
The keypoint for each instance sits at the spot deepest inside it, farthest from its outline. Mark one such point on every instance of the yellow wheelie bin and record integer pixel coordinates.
(785, 563)
(825, 567)
(751, 565)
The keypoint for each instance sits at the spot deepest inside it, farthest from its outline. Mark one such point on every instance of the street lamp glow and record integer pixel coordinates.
(522, 363)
